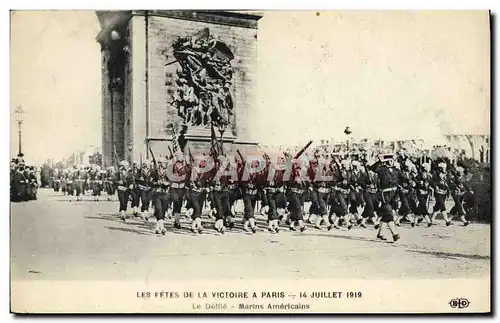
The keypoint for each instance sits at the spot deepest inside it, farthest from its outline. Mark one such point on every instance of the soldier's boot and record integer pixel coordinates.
(276, 226)
(246, 225)
(419, 220)
(447, 219)
(302, 226)
(397, 221)
(162, 227)
(433, 218)
(428, 220)
(123, 215)
(392, 228)
(168, 215)
(348, 222)
(411, 218)
(199, 225)
(177, 220)
(288, 216)
(464, 220)
(326, 220)
(219, 226)
(157, 227)
(271, 226)
(317, 225)
(229, 223)
(358, 218)
(363, 223)
(253, 226)
(336, 222)
(212, 213)
(194, 226)
(379, 233)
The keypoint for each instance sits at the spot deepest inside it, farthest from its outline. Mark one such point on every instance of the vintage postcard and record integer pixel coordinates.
(208, 162)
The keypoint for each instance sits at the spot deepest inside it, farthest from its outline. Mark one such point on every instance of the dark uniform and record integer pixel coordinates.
(109, 182)
(423, 190)
(70, 188)
(388, 181)
(369, 183)
(459, 187)
(340, 197)
(196, 193)
(56, 180)
(249, 191)
(20, 183)
(295, 192)
(144, 188)
(135, 194)
(94, 183)
(160, 192)
(275, 197)
(355, 193)
(64, 182)
(79, 178)
(220, 194)
(178, 188)
(405, 192)
(320, 195)
(32, 185)
(125, 180)
(441, 189)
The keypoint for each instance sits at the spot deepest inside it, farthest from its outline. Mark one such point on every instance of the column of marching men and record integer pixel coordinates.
(23, 181)
(349, 193)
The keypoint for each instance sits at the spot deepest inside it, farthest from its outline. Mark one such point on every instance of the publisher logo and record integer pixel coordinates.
(459, 303)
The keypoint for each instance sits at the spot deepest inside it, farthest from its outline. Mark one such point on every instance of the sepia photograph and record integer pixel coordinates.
(250, 162)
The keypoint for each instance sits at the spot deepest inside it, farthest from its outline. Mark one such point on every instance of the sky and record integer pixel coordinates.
(387, 75)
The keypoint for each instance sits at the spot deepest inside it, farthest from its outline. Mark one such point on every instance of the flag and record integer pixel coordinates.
(213, 138)
(175, 141)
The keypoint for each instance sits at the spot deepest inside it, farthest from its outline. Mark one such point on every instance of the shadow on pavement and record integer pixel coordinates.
(147, 228)
(389, 241)
(136, 231)
(449, 255)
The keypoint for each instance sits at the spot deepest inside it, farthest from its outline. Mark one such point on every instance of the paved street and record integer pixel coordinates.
(55, 239)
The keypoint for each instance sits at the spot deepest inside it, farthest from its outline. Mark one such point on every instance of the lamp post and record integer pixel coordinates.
(348, 133)
(19, 119)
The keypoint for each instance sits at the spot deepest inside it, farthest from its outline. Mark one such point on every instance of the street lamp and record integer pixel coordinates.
(348, 133)
(19, 118)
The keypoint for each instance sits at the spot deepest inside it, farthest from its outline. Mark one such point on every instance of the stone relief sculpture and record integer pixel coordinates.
(204, 78)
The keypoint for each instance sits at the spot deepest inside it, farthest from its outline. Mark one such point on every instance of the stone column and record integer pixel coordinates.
(107, 113)
(138, 86)
(118, 111)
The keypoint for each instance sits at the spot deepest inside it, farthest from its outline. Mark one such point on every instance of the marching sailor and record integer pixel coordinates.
(160, 192)
(125, 180)
(369, 183)
(423, 190)
(144, 190)
(178, 186)
(355, 193)
(459, 187)
(388, 194)
(441, 190)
